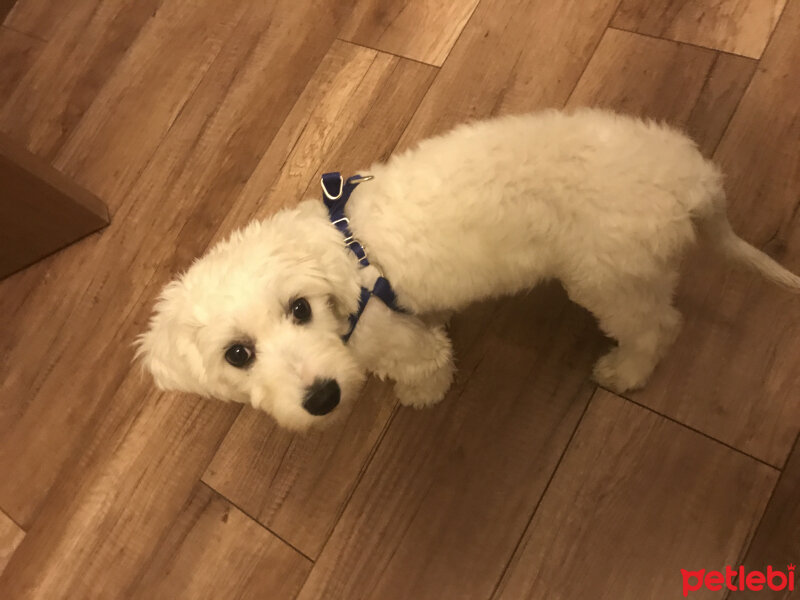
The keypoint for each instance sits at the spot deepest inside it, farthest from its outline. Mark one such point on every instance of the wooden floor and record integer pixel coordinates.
(191, 117)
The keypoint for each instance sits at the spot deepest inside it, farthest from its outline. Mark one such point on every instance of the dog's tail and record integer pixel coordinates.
(717, 227)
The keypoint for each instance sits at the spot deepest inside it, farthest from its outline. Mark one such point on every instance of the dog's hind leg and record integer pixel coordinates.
(640, 316)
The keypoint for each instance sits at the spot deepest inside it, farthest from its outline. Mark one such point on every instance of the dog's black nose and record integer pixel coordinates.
(322, 397)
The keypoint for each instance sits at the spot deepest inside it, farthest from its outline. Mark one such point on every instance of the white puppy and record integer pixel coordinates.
(607, 204)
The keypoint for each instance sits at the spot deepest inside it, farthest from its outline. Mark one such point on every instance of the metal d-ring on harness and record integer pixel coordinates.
(335, 194)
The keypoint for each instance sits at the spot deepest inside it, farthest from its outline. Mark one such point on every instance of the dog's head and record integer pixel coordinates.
(259, 320)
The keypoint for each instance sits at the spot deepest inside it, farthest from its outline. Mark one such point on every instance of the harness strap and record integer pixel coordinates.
(383, 290)
(335, 194)
(354, 317)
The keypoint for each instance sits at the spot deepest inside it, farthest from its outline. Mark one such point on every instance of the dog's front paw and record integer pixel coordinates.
(417, 396)
(620, 372)
(425, 392)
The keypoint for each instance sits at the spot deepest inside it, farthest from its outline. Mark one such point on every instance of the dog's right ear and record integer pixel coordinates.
(341, 307)
(342, 288)
(167, 350)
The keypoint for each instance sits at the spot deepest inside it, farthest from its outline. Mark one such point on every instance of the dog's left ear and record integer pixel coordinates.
(168, 350)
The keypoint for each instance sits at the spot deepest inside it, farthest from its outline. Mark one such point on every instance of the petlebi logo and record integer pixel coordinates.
(738, 580)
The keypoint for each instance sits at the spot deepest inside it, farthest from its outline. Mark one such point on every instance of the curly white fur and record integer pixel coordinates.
(607, 204)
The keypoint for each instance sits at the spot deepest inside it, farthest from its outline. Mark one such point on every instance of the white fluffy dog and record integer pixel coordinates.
(607, 204)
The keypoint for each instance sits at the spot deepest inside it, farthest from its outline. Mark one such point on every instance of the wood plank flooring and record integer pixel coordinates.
(394, 27)
(598, 495)
(778, 535)
(10, 537)
(189, 118)
(5, 7)
(18, 52)
(244, 560)
(737, 26)
(512, 56)
(665, 80)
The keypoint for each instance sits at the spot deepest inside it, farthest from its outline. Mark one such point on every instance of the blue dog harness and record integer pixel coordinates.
(335, 194)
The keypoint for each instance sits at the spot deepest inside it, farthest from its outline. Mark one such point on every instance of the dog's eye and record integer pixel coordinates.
(239, 356)
(301, 310)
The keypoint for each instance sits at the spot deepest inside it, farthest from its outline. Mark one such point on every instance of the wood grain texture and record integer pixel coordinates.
(297, 485)
(18, 288)
(424, 30)
(105, 517)
(5, 8)
(159, 73)
(443, 502)
(723, 89)
(666, 81)
(777, 539)
(651, 78)
(90, 40)
(42, 18)
(164, 221)
(513, 56)
(732, 373)
(631, 505)
(351, 114)
(17, 53)
(737, 26)
(213, 550)
(10, 537)
(33, 399)
(41, 210)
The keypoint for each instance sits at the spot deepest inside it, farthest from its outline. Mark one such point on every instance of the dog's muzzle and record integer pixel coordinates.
(322, 397)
